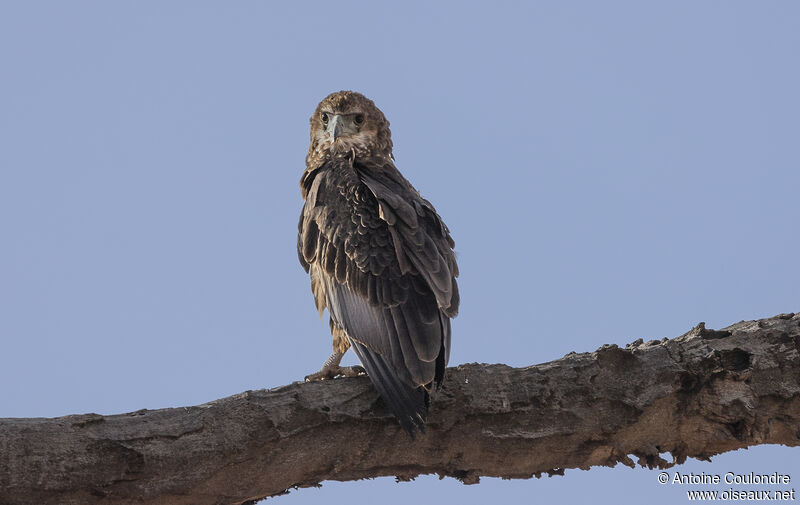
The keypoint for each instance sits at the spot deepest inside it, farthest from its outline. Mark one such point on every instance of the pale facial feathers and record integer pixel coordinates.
(367, 134)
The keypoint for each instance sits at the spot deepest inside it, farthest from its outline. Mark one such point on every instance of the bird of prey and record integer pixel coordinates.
(379, 256)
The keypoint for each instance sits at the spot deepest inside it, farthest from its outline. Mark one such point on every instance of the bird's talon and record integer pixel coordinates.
(352, 371)
(318, 376)
(331, 372)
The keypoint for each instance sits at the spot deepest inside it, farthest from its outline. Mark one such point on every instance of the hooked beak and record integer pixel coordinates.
(341, 126)
(335, 127)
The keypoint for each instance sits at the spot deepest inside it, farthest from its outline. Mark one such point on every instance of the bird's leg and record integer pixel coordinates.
(331, 369)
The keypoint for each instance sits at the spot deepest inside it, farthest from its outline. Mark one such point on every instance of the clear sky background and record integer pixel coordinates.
(609, 171)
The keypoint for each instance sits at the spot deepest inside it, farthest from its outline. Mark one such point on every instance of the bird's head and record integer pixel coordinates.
(347, 122)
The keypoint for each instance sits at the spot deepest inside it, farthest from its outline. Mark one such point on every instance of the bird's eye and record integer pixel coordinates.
(359, 118)
(324, 118)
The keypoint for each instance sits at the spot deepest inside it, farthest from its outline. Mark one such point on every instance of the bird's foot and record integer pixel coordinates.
(333, 371)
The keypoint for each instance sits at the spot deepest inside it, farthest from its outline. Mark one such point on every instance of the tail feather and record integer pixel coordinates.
(409, 406)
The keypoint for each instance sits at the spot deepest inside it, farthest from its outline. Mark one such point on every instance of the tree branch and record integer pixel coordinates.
(698, 395)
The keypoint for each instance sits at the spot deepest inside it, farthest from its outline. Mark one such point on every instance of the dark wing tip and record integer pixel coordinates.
(409, 405)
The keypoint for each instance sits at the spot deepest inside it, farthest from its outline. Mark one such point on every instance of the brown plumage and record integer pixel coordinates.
(379, 256)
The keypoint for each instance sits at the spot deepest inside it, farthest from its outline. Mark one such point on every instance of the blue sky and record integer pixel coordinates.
(609, 170)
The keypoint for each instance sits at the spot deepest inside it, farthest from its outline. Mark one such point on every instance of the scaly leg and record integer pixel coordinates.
(331, 369)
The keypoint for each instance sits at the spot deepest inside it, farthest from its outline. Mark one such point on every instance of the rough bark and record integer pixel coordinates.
(701, 394)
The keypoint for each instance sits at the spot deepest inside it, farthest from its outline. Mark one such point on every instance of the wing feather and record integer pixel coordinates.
(382, 262)
(421, 237)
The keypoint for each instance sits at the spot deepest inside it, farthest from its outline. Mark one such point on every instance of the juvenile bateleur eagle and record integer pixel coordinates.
(379, 256)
